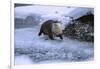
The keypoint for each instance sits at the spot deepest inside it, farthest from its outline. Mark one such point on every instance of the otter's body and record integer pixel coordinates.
(52, 29)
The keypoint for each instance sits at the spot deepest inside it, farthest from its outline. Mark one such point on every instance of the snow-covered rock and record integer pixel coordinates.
(81, 29)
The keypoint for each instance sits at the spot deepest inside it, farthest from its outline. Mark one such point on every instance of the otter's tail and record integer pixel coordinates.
(40, 32)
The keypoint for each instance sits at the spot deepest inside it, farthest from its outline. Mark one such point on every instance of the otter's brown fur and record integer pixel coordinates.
(46, 29)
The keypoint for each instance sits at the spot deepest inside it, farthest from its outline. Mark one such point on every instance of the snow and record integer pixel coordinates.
(50, 11)
(63, 14)
(27, 42)
(23, 11)
(23, 59)
(78, 12)
(32, 49)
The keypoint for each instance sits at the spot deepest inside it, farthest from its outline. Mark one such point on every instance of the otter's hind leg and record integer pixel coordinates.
(51, 36)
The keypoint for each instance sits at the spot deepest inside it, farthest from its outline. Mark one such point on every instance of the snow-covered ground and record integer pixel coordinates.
(27, 42)
(23, 59)
(32, 49)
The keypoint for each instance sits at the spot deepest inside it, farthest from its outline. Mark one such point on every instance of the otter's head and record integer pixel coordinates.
(57, 28)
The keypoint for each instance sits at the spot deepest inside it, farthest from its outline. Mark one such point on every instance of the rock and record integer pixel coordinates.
(81, 29)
